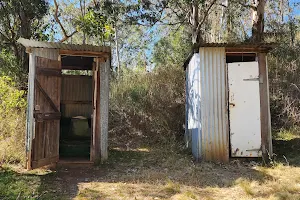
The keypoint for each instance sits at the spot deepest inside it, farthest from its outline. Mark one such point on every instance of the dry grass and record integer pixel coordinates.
(157, 173)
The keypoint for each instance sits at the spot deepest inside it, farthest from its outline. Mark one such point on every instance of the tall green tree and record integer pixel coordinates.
(20, 19)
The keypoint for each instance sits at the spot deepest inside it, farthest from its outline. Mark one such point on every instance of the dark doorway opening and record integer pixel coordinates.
(76, 108)
(240, 57)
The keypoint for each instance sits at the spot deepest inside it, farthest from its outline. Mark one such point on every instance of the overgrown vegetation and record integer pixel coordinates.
(12, 122)
(284, 70)
(148, 105)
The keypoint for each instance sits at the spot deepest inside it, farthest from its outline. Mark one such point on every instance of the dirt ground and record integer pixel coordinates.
(164, 172)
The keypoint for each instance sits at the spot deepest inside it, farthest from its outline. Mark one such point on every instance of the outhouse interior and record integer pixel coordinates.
(227, 102)
(76, 107)
(67, 114)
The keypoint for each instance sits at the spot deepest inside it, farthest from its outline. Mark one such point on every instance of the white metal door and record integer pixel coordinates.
(244, 109)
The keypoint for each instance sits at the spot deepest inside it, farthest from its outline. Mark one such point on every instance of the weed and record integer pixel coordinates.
(287, 134)
(190, 194)
(171, 187)
(246, 186)
(12, 122)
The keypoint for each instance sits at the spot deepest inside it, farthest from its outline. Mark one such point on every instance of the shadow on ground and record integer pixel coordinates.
(144, 173)
(287, 151)
(140, 174)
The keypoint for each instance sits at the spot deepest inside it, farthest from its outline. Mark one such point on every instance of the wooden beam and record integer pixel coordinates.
(77, 67)
(266, 136)
(241, 54)
(84, 53)
(75, 102)
(45, 161)
(246, 50)
(47, 116)
(77, 76)
(48, 71)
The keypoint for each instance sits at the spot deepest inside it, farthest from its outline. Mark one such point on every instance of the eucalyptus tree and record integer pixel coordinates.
(20, 19)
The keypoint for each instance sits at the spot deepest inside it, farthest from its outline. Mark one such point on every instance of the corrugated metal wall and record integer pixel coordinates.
(193, 109)
(214, 104)
(76, 96)
(207, 105)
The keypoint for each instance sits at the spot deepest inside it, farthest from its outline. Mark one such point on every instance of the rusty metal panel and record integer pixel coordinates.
(76, 88)
(214, 112)
(73, 110)
(46, 53)
(76, 96)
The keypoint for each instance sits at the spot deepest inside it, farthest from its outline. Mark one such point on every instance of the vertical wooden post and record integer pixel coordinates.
(30, 127)
(104, 98)
(95, 132)
(266, 136)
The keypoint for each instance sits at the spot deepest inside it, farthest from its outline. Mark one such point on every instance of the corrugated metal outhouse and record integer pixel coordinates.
(227, 102)
(68, 92)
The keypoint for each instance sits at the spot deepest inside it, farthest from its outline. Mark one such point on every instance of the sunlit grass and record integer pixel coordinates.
(289, 134)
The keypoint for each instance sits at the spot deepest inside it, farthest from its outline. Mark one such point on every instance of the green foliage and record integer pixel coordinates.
(95, 24)
(287, 134)
(19, 19)
(14, 186)
(11, 67)
(12, 122)
(10, 97)
(173, 48)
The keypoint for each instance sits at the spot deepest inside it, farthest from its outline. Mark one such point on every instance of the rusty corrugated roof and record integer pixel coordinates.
(58, 45)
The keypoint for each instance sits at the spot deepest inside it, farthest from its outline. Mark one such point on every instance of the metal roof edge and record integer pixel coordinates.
(57, 45)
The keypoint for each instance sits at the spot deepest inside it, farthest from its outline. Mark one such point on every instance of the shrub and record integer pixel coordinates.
(148, 104)
(12, 122)
(284, 70)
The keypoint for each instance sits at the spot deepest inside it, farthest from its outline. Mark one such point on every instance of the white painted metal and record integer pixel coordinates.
(244, 109)
(193, 96)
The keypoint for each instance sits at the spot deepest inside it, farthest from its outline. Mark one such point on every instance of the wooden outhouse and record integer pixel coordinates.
(68, 94)
(227, 102)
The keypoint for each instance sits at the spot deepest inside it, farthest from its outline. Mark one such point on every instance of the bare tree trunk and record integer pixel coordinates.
(292, 25)
(195, 21)
(117, 51)
(258, 12)
(82, 8)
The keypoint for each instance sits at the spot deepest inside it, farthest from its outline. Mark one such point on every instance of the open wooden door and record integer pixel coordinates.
(44, 105)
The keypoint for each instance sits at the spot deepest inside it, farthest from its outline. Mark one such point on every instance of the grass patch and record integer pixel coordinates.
(246, 186)
(287, 134)
(172, 187)
(90, 194)
(13, 185)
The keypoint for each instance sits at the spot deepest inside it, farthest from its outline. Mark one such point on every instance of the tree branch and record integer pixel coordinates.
(205, 16)
(66, 36)
(246, 5)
